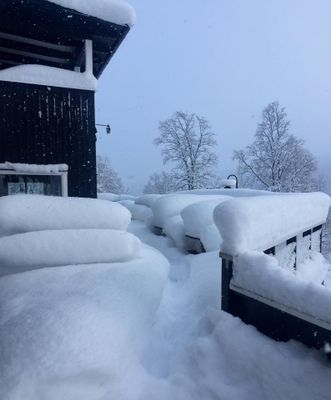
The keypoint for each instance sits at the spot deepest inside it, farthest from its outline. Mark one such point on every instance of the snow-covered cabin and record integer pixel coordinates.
(51, 54)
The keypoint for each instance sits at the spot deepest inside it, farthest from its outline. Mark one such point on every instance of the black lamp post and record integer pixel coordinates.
(235, 177)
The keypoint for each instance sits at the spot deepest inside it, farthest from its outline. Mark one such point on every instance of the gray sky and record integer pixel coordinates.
(225, 60)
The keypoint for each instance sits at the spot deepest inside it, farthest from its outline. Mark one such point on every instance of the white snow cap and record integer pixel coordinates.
(229, 182)
(49, 76)
(148, 199)
(116, 11)
(26, 213)
(199, 215)
(171, 205)
(35, 168)
(33, 250)
(258, 223)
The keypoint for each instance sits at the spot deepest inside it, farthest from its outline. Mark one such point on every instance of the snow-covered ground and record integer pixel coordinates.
(127, 331)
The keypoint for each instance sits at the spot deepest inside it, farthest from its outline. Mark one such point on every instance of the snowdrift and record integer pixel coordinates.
(261, 275)
(27, 213)
(32, 250)
(62, 329)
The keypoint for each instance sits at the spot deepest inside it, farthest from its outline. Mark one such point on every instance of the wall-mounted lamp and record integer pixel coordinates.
(108, 129)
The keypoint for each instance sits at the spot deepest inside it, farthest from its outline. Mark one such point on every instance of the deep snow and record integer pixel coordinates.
(27, 213)
(91, 333)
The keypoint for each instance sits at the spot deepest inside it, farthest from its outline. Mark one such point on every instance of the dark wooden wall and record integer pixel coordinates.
(47, 125)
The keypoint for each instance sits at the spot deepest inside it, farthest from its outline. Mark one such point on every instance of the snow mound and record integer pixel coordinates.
(27, 251)
(232, 192)
(211, 238)
(116, 11)
(109, 196)
(199, 215)
(260, 274)
(174, 229)
(172, 204)
(258, 223)
(26, 213)
(314, 269)
(148, 199)
(67, 332)
(138, 211)
(169, 206)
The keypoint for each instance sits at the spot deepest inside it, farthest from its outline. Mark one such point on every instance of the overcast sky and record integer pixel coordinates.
(225, 60)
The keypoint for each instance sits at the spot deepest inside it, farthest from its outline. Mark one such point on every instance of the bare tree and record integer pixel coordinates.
(160, 183)
(107, 178)
(188, 142)
(276, 160)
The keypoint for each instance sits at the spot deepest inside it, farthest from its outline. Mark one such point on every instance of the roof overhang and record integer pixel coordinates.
(41, 32)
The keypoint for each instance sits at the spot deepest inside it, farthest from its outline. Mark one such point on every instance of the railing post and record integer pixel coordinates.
(227, 271)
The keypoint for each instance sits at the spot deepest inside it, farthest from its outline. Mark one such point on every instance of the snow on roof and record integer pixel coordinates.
(34, 168)
(261, 222)
(49, 76)
(116, 11)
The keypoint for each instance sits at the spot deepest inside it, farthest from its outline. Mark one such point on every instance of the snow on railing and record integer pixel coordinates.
(272, 270)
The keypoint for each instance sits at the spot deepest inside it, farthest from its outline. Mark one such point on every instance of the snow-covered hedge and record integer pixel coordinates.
(27, 251)
(26, 213)
(258, 223)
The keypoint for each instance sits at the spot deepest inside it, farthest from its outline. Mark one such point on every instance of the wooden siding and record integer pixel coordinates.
(47, 125)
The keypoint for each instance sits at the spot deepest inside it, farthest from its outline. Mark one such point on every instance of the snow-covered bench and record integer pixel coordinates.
(273, 274)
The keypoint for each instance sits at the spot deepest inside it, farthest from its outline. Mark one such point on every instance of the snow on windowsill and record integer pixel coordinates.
(49, 76)
(116, 11)
(34, 168)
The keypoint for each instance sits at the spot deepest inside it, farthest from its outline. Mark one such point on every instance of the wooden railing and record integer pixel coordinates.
(268, 317)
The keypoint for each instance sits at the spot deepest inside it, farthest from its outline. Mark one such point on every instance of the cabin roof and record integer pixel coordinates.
(45, 33)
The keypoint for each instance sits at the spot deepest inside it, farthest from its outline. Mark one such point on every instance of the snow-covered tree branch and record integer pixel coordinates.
(107, 178)
(276, 160)
(160, 183)
(188, 142)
